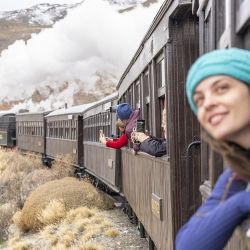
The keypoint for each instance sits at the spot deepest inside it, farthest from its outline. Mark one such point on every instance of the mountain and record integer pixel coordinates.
(20, 24)
(86, 78)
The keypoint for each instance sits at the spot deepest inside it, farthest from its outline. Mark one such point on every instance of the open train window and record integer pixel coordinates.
(160, 71)
(129, 96)
(137, 95)
(163, 117)
(146, 84)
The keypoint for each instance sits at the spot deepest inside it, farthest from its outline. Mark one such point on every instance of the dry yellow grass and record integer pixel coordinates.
(72, 192)
(16, 218)
(62, 166)
(79, 232)
(34, 179)
(80, 213)
(22, 174)
(69, 238)
(90, 246)
(57, 206)
(112, 232)
(49, 233)
(6, 212)
(17, 244)
(53, 212)
(16, 169)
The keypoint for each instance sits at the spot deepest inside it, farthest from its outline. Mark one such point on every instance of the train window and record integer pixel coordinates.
(51, 129)
(221, 17)
(56, 129)
(160, 71)
(73, 136)
(129, 96)
(42, 128)
(61, 129)
(146, 83)
(147, 117)
(163, 117)
(137, 94)
(66, 129)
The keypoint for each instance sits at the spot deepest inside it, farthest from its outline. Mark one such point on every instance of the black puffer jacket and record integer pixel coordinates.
(154, 146)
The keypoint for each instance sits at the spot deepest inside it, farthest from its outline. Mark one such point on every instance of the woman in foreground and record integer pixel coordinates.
(218, 91)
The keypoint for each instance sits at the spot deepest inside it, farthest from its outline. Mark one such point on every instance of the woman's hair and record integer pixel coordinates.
(120, 124)
(236, 157)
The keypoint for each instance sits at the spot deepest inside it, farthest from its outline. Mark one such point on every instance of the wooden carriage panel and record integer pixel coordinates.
(55, 147)
(103, 162)
(147, 187)
(241, 21)
(183, 125)
(31, 143)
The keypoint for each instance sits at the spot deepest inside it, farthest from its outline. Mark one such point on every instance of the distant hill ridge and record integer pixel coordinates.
(20, 24)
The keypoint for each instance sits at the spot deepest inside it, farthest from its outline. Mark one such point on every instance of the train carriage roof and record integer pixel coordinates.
(34, 113)
(105, 100)
(72, 110)
(6, 113)
(80, 109)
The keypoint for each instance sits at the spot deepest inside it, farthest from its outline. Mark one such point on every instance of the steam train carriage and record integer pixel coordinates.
(99, 161)
(30, 132)
(64, 133)
(164, 192)
(7, 129)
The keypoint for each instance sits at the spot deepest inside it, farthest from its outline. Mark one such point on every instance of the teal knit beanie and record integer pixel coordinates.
(231, 62)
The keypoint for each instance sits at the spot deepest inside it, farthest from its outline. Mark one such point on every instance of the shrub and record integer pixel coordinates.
(6, 212)
(72, 192)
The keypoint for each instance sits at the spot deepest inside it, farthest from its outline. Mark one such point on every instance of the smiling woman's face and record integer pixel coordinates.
(224, 107)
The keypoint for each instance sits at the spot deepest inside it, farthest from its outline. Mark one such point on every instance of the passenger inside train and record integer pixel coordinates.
(218, 91)
(149, 144)
(115, 143)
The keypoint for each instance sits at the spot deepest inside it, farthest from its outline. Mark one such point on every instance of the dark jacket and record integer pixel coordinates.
(154, 146)
(215, 221)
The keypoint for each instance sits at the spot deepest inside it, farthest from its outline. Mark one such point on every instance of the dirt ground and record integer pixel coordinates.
(129, 237)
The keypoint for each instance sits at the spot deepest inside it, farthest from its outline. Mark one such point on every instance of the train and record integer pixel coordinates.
(159, 194)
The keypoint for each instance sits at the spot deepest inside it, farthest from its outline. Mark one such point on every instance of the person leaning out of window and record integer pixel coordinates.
(116, 143)
(149, 144)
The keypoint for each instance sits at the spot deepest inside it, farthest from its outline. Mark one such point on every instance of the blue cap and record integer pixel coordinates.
(231, 62)
(124, 111)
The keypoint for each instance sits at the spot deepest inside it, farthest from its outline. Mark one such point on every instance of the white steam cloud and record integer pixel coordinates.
(93, 39)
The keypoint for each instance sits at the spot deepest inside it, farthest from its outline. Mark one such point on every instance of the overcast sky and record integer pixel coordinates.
(6, 5)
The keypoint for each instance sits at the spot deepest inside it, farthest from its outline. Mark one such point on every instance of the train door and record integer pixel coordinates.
(184, 131)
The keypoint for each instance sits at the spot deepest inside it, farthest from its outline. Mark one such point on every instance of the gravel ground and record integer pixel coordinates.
(129, 237)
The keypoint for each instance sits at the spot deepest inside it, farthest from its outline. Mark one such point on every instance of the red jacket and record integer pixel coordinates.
(118, 143)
